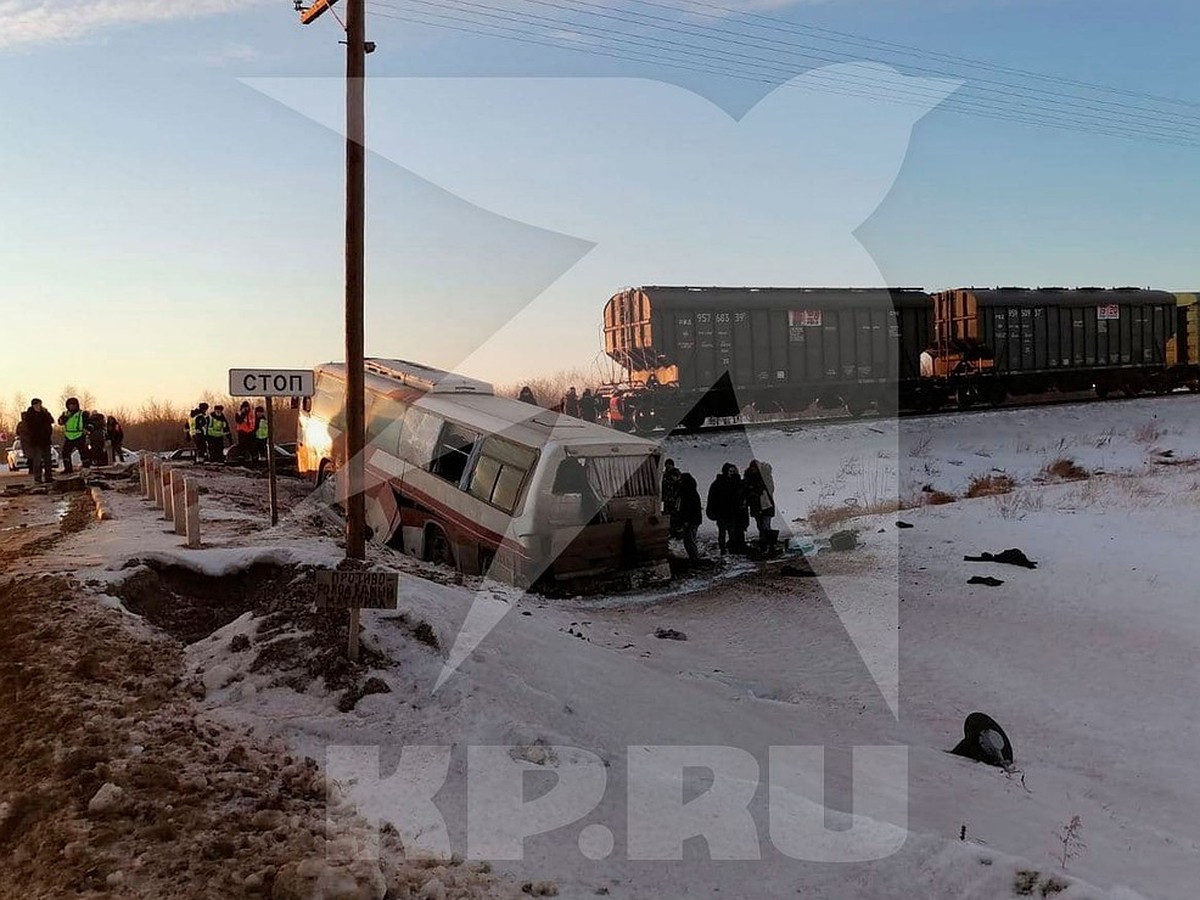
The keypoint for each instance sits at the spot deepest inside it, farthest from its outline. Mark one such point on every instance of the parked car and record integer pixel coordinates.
(285, 460)
(17, 459)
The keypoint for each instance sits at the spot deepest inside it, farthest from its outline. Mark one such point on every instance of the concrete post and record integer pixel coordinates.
(168, 497)
(191, 504)
(158, 483)
(150, 476)
(142, 473)
(177, 502)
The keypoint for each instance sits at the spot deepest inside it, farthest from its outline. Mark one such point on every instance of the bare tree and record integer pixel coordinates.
(87, 400)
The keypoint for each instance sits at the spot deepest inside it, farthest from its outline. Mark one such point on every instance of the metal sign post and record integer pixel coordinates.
(270, 403)
(269, 383)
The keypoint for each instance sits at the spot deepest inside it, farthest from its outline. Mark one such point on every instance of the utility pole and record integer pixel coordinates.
(356, 65)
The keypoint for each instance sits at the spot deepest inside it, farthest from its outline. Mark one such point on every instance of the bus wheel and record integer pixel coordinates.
(437, 547)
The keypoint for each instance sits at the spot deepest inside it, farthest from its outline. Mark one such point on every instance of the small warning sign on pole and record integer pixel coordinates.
(357, 590)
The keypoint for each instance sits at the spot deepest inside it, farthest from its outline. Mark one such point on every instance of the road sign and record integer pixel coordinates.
(357, 590)
(271, 383)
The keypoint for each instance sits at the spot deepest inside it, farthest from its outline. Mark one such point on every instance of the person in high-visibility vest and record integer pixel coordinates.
(216, 433)
(260, 433)
(74, 423)
(245, 425)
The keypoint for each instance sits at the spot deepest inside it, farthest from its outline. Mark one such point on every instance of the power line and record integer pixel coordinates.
(777, 22)
(757, 41)
(664, 55)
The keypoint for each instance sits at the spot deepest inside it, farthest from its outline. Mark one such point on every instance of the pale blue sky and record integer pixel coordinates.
(164, 219)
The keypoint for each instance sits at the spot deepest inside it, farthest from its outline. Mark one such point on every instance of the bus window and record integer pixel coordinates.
(419, 436)
(383, 423)
(453, 452)
(330, 400)
(500, 473)
(572, 479)
(624, 476)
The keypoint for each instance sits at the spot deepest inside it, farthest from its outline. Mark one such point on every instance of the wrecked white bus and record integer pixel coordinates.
(489, 485)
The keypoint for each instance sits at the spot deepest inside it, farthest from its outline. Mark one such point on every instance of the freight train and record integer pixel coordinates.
(690, 353)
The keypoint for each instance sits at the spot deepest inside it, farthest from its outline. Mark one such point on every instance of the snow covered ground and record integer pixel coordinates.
(1088, 661)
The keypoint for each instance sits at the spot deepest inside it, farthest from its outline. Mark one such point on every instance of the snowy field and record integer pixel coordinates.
(1088, 661)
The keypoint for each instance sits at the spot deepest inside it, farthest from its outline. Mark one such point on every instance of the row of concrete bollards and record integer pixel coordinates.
(175, 494)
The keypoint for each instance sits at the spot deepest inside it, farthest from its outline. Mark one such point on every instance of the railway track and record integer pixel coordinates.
(799, 422)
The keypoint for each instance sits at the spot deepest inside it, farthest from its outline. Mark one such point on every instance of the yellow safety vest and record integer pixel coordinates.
(75, 428)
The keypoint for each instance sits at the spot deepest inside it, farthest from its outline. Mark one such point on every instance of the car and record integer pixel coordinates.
(285, 460)
(17, 459)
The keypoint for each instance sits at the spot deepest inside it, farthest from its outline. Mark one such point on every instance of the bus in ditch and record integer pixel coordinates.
(491, 486)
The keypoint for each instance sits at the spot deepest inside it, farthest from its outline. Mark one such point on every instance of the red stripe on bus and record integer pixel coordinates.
(492, 538)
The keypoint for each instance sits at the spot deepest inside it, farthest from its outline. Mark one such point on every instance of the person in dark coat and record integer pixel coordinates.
(200, 432)
(760, 495)
(37, 437)
(727, 507)
(116, 437)
(527, 396)
(587, 406)
(571, 404)
(689, 514)
(670, 495)
(96, 438)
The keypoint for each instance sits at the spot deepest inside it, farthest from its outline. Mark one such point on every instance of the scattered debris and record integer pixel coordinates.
(843, 540)
(985, 579)
(1012, 557)
(798, 571)
(904, 525)
(984, 741)
(669, 634)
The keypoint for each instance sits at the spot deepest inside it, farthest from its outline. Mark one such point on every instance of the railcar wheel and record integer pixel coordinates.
(1101, 391)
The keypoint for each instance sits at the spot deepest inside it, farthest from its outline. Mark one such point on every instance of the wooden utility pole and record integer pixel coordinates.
(356, 65)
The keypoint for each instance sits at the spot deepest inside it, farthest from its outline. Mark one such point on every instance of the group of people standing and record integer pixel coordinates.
(732, 500)
(586, 406)
(90, 433)
(209, 432)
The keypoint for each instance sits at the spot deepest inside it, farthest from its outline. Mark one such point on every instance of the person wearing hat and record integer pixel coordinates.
(75, 428)
(199, 431)
(246, 425)
(37, 436)
(217, 433)
(261, 433)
